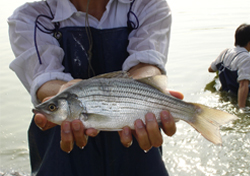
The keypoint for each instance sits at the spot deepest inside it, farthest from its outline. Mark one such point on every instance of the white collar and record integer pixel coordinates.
(65, 9)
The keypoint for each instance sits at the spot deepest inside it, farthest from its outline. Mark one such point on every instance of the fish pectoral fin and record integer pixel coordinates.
(208, 121)
(94, 117)
(116, 74)
(158, 81)
(99, 120)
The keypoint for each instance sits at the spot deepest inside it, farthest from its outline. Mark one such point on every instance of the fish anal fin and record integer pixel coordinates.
(208, 122)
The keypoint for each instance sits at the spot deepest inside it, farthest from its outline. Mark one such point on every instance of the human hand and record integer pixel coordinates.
(71, 132)
(149, 135)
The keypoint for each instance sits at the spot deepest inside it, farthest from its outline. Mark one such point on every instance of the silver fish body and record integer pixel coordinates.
(110, 103)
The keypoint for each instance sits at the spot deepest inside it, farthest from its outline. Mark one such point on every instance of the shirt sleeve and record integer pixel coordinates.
(244, 68)
(218, 60)
(26, 65)
(150, 42)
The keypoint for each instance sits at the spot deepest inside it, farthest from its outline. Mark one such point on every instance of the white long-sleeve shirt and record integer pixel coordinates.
(240, 63)
(147, 44)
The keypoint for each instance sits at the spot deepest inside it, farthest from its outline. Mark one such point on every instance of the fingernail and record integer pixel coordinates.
(40, 128)
(76, 126)
(146, 151)
(66, 127)
(139, 124)
(150, 117)
(129, 144)
(64, 150)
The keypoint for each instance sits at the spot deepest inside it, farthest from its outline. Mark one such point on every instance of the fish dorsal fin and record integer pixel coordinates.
(116, 74)
(158, 81)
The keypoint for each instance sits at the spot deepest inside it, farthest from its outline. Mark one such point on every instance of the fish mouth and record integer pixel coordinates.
(36, 111)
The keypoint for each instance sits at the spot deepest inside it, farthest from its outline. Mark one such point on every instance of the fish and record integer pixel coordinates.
(111, 101)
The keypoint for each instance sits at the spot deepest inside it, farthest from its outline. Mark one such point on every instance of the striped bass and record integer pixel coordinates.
(111, 101)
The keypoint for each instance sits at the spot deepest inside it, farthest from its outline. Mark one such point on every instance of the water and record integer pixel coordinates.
(200, 31)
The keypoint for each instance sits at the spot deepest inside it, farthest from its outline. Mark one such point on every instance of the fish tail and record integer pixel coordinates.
(207, 121)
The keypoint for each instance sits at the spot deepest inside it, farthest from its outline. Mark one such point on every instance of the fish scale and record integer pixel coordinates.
(115, 95)
(136, 95)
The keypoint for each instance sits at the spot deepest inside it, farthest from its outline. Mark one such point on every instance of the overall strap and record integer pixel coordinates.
(233, 57)
(132, 25)
(44, 29)
(236, 56)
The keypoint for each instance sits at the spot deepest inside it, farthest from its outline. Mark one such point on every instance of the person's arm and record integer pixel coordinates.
(243, 93)
(210, 69)
(26, 65)
(49, 89)
(149, 43)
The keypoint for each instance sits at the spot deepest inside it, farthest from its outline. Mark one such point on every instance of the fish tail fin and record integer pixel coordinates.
(207, 121)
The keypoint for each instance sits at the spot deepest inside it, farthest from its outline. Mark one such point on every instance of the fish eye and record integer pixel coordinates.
(52, 107)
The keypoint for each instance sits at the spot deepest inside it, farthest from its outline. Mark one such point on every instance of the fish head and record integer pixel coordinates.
(59, 108)
(55, 110)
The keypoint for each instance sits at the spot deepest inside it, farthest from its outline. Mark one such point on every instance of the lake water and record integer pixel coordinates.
(200, 31)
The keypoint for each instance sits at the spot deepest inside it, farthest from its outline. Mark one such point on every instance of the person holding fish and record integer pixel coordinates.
(57, 43)
(234, 66)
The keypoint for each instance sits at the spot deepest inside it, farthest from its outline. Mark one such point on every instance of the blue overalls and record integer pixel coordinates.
(104, 155)
(228, 77)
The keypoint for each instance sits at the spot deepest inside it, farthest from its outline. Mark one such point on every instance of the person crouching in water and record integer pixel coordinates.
(234, 66)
